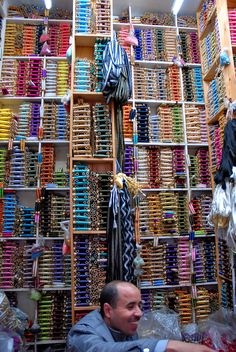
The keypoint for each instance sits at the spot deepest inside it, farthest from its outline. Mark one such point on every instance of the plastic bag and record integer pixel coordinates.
(131, 39)
(6, 342)
(160, 324)
(219, 331)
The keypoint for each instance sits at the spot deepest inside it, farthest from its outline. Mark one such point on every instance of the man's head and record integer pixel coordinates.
(121, 306)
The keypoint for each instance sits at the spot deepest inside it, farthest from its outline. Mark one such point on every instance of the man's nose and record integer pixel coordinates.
(138, 311)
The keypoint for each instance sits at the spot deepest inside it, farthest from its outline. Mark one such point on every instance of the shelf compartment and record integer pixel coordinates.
(89, 39)
(211, 72)
(208, 24)
(91, 97)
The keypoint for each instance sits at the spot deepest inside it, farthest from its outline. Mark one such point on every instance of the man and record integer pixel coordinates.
(113, 328)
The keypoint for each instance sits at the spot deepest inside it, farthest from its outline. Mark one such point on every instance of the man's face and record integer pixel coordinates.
(127, 312)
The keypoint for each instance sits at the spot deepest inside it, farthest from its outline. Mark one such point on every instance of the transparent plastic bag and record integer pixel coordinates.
(160, 324)
(219, 331)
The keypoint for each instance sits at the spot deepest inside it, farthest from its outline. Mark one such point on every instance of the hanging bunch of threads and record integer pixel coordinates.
(90, 263)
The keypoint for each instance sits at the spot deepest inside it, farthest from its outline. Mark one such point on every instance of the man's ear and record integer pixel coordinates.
(107, 310)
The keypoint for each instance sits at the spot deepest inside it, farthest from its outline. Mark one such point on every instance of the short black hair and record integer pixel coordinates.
(109, 294)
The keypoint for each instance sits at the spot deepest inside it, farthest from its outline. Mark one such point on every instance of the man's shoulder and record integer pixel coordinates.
(92, 319)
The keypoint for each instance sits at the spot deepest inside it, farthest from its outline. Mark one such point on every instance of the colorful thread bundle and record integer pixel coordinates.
(90, 263)
(215, 95)
(6, 124)
(121, 37)
(164, 214)
(48, 164)
(196, 124)
(202, 206)
(23, 39)
(54, 209)
(54, 315)
(84, 76)
(192, 80)
(22, 78)
(161, 167)
(91, 194)
(224, 259)
(57, 78)
(157, 83)
(92, 17)
(210, 47)
(155, 44)
(232, 25)
(16, 265)
(92, 130)
(52, 265)
(199, 169)
(216, 136)
(55, 122)
(171, 124)
(204, 265)
(207, 8)
(99, 47)
(190, 47)
(127, 123)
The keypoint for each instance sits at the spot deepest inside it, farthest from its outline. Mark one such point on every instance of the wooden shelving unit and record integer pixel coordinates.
(218, 18)
(83, 49)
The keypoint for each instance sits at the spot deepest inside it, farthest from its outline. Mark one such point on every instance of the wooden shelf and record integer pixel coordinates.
(94, 160)
(89, 39)
(93, 97)
(216, 117)
(89, 232)
(222, 277)
(208, 24)
(85, 308)
(211, 72)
